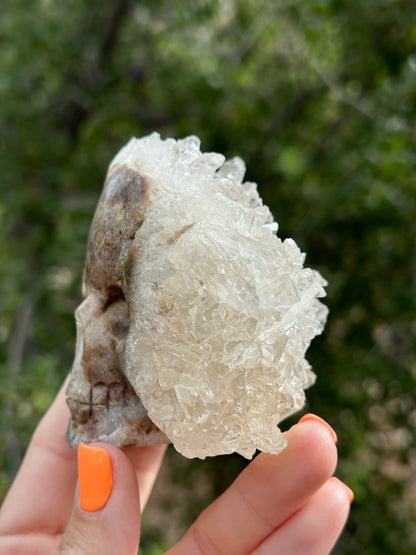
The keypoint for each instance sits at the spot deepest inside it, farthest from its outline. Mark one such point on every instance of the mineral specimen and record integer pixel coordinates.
(196, 316)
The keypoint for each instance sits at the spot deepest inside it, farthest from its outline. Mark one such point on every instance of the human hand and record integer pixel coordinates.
(286, 503)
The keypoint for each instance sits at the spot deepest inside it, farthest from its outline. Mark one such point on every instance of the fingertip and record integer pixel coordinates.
(106, 517)
(313, 441)
(314, 528)
(342, 487)
(337, 497)
(316, 418)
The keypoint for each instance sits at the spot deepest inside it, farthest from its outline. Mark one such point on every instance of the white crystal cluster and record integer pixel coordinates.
(222, 310)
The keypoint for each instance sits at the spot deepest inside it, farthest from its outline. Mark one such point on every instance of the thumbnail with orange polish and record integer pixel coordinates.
(95, 477)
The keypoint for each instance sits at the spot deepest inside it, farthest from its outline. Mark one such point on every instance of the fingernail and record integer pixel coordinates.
(95, 477)
(322, 421)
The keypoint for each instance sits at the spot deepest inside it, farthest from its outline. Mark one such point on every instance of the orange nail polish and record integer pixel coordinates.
(95, 477)
(322, 421)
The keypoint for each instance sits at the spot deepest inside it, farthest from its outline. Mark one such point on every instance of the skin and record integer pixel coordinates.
(287, 503)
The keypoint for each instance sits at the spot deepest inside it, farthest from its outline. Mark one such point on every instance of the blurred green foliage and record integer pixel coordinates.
(319, 98)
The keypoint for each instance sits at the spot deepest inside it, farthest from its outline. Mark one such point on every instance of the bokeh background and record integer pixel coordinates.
(319, 98)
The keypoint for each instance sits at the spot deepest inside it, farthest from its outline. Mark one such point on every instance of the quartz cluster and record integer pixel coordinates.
(221, 311)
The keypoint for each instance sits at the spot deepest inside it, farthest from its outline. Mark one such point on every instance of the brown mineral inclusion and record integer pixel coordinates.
(104, 406)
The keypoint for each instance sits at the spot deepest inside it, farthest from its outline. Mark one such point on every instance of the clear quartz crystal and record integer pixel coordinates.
(222, 310)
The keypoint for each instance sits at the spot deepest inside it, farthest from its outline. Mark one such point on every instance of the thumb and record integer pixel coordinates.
(106, 514)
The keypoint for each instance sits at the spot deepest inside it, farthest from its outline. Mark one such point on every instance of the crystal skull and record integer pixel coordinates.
(196, 315)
